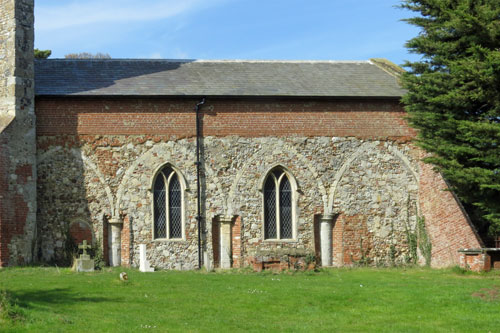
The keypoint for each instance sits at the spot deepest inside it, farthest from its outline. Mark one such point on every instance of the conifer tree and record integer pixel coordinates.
(42, 54)
(453, 98)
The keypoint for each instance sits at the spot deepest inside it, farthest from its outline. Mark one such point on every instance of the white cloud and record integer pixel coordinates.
(80, 13)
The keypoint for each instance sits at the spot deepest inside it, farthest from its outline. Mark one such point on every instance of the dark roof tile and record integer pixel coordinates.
(125, 77)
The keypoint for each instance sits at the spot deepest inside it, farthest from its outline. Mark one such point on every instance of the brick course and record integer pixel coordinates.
(247, 118)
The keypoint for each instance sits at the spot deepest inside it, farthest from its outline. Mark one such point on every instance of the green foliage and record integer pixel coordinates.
(424, 241)
(9, 309)
(70, 250)
(412, 239)
(310, 258)
(87, 55)
(364, 259)
(42, 54)
(97, 254)
(460, 270)
(453, 98)
(417, 239)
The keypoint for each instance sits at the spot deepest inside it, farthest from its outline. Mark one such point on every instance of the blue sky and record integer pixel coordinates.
(225, 29)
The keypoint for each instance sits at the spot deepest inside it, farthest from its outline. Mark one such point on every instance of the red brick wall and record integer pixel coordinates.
(105, 240)
(216, 241)
(236, 243)
(175, 117)
(13, 207)
(448, 227)
(221, 117)
(356, 239)
(317, 237)
(337, 240)
(5, 207)
(23, 172)
(125, 239)
(79, 232)
(476, 262)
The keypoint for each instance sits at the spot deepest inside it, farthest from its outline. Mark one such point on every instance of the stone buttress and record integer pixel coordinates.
(17, 133)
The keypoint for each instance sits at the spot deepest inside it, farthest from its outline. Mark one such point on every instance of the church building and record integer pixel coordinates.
(215, 163)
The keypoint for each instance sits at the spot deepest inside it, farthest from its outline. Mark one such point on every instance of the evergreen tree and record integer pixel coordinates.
(42, 54)
(453, 98)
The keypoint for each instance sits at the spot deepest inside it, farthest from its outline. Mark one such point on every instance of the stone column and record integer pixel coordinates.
(326, 222)
(225, 224)
(115, 253)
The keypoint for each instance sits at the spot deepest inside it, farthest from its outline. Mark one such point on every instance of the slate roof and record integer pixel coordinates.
(126, 77)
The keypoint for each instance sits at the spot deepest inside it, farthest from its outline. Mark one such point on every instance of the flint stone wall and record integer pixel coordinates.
(371, 184)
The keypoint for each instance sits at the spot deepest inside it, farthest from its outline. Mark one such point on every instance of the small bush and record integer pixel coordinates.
(460, 270)
(9, 310)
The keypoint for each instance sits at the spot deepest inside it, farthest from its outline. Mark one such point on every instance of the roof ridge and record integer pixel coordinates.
(213, 60)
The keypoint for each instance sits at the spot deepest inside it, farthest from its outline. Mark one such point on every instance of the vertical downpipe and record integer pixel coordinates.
(198, 171)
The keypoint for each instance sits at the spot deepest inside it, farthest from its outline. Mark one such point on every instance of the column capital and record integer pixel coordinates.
(226, 219)
(115, 221)
(327, 218)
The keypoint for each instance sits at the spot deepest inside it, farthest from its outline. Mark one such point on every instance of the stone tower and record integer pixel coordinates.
(17, 133)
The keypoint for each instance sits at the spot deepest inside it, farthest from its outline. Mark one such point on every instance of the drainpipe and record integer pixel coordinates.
(198, 170)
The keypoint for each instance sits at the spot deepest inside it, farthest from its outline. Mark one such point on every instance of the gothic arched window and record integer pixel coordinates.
(278, 205)
(168, 205)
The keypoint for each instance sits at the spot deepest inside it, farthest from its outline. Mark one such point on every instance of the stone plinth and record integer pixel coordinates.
(84, 264)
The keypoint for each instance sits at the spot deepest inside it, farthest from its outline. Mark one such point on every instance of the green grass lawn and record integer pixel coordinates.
(344, 300)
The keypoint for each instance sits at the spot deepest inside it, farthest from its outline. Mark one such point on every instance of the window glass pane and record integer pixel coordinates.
(174, 202)
(167, 171)
(270, 208)
(160, 226)
(285, 208)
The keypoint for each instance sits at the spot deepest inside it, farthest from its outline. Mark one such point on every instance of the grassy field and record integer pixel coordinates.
(344, 300)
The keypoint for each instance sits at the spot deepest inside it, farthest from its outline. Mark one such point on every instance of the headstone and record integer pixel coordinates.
(143, 262)
(84, 263)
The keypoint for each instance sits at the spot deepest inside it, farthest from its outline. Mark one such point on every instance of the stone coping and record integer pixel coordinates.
(480, 250)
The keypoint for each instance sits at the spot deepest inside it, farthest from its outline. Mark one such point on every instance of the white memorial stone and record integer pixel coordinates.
(143, 262)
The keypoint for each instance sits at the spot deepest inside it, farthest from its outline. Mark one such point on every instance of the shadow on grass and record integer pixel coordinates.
(64, 296)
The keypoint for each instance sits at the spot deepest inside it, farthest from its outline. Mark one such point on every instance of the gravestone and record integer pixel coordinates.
(84, 263)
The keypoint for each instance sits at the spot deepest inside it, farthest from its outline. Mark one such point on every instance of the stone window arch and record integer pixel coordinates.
(279, 189)
(168, 190)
